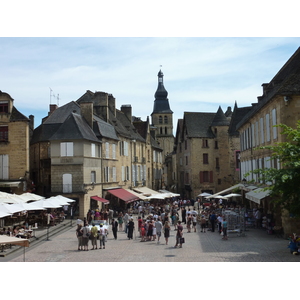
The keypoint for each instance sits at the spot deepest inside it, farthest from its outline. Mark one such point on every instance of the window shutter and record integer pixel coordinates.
(211, 177)
(201, 176)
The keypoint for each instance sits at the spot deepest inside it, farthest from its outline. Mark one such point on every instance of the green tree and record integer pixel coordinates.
(285, 182)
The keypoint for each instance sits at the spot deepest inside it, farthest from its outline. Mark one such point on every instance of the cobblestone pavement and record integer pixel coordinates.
(255, 246)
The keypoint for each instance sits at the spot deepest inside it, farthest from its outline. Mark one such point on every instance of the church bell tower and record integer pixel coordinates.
(162, 117)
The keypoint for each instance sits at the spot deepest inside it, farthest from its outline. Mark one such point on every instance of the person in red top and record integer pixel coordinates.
(140, 222)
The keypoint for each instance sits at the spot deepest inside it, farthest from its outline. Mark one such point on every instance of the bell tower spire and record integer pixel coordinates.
(162, 117)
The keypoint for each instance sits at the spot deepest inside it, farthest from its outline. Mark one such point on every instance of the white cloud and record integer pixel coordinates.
(203, 72)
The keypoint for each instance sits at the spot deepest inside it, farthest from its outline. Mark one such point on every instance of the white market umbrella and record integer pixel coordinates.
(15, 207)
(4, 214)
(37, 205)
(232, 195)
(9, 198)
(4, 211)
(221, 197)
(64, 198)
(59, 201)
(30, 197)
(156, 196)
(204, 194)
(43, 204)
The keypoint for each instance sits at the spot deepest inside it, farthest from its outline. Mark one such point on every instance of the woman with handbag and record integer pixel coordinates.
(179, 235)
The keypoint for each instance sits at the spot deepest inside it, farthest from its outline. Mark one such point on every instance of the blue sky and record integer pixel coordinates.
(200, 74)
(211, 55)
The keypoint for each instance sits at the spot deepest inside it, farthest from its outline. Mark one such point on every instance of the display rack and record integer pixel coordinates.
(235, 221)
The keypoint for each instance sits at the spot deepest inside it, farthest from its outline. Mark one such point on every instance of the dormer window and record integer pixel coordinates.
(3, 107)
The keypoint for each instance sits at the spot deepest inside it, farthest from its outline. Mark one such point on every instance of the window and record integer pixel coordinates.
(66, 149)
(185, 144)
(124, 148)
(3, 106)
(262, 133)
(67, 183)
(4, 133)
(268, 127)
(206, 176)
(93, 150)
(216, 145)
(4, 166)
(186, 160)
(114, 151)
(219, 181)
(106, 174)
(106, 150)
(114, 171)
(274, 122)
(93, 176)
(160, 120)
(205, 158)
(166, 119)
(204, 143)
(217, 163)
(166, 130)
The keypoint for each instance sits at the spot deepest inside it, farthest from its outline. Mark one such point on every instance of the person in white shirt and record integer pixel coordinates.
(158, 226)
(220, 221)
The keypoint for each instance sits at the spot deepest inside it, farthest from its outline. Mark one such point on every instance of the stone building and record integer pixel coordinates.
(279, 104)
(206, 152)
(90, 151)
(15, 132)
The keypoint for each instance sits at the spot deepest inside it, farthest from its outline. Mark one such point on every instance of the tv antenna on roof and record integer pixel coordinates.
(53, 95)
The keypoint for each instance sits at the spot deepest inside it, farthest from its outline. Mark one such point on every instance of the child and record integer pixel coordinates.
(224, 229)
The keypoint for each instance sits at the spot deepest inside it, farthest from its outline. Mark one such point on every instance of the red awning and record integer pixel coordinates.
(100, 199)
(124, 195)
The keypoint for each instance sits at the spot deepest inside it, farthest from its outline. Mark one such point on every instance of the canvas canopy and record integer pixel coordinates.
(13, 240)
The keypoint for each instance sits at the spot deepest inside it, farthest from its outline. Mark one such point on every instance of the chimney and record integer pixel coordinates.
(265, 86)
(52, 108)
(127, 110)
(86, 109)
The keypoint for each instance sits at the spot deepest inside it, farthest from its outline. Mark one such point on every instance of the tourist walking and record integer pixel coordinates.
(194, 221)
(85, 236)
(102, 236)
(114, 226)
(220, 221)
(158, 226)
(94, 235)
(120, 221)
(212, 219)
(125, 220)
(166, 230)
(179, 235)
(130, 229)
(79, 236)
(203, 223)
(224, 229)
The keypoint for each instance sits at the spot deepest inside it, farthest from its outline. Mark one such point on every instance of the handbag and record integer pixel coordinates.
(182, 241)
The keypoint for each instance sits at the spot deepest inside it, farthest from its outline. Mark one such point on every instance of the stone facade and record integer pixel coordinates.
(14, 147)
(279, 104)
